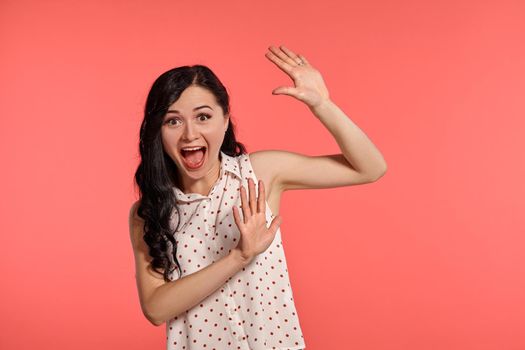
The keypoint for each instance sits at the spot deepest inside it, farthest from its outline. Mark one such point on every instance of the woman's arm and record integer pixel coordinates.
(359, 161)
(161, 300)
(359, 151)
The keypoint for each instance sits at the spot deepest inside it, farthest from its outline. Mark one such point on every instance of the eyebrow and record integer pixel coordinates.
(194, 109)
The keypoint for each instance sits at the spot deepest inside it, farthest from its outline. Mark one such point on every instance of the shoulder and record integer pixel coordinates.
(261, 162)
(135, 223)
(133, 215)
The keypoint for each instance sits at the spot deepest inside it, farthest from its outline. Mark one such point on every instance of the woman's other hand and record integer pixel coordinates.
(255, 237)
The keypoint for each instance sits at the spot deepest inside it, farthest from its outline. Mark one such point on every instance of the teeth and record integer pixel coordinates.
(192, 148)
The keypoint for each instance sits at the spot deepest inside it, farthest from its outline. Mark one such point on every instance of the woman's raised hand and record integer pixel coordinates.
(309, 86)
(255, 237)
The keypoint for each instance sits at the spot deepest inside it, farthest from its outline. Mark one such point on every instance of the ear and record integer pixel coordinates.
(226, 122)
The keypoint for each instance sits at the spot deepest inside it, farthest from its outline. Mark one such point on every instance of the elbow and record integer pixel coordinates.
(152, 317)
(378, 175)
(158, 320)
(383, 172)
(154, 321)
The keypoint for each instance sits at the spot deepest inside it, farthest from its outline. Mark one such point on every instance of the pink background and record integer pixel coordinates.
(429, 257)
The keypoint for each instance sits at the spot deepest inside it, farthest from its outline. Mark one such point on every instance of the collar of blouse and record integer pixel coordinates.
(228, 164)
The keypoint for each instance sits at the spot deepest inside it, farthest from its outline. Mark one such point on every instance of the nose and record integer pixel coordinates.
(189, 133)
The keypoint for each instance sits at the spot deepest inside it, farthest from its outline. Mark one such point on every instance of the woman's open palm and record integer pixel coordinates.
(255, 237)
(309, 85)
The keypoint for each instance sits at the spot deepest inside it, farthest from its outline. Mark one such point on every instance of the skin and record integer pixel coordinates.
(186, 128)
(186, 125)
(359, 162)
(161, 300)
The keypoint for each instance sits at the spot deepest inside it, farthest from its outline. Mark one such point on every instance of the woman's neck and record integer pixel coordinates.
(203, 185)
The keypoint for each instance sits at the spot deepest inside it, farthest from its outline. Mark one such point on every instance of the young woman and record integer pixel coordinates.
(209, 258)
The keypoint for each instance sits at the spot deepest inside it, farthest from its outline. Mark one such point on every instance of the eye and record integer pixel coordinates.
(171, 119)
(205, 115)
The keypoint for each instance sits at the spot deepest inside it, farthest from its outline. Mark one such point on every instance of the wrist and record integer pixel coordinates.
(324, 105)
(239, 258)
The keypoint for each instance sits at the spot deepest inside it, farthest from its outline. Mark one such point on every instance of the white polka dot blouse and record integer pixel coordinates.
(254, 309)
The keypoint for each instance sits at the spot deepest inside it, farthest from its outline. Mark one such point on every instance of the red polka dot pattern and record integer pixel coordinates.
(254, 309)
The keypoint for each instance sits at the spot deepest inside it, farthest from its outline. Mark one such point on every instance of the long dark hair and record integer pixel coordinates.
(157, 173)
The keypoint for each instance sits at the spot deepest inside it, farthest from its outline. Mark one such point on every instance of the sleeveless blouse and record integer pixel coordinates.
(254, 309)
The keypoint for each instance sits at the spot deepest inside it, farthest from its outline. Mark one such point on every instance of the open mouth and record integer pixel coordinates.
(193, 157)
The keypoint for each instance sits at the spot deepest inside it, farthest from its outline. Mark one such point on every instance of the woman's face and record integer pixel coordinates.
(188, 124)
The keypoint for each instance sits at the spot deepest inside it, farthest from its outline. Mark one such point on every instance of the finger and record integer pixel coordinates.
(274, 225)
(251, 188)
(282, 55)
(286, 90)
(261, 205)
(285, 67)
(296, 59)
(236, 216)
(303, 59)
(245, 207)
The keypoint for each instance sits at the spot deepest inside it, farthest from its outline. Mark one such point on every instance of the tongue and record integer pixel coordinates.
(194, 157)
